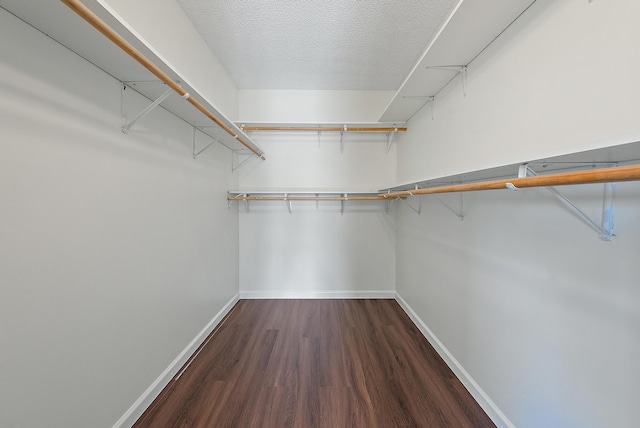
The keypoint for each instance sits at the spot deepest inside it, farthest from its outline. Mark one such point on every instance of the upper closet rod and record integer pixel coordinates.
(602, 175)
(86, 13)
(320, 128)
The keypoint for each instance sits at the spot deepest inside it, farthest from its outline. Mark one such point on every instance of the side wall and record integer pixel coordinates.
(541, 313)
(317, 251)
(117, 250)
(560, 80)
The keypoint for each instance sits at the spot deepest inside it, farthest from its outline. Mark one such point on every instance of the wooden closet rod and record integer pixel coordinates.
(602, 175)
(320, 128)
(88, 15)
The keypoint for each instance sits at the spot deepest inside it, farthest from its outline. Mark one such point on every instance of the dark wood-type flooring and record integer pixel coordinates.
(315, 363)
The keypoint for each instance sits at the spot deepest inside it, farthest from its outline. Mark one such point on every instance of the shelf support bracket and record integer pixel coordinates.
(429, 99)
(387, 203)
(461, 69)
(342, 138)
(605, 230)
(196, 154)
(417, 210)
(239, 195)
(127, 125)
(608, 211)
(406, 201)
(390, 136)
(458, 212)
(288, 202)
(236, 162)
(345, 196)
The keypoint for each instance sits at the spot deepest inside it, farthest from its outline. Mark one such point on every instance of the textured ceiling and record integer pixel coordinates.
(318, 44)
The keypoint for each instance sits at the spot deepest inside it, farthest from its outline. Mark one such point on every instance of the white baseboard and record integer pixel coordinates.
(145, 400)
(490, 408)
(316, 294)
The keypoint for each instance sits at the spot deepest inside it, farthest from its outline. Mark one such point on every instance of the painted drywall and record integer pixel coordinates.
(560, 80)
(158, 22)
(298, 106)
(116, 249)
(541, 313)
(299, 160)
(317, 251)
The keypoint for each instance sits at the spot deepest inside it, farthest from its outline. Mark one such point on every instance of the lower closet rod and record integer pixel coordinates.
(601, 175)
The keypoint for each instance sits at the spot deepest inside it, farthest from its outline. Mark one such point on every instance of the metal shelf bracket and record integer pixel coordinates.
(605, 229)
(387, 203)
(196, 154)
(429, 99)
(608, 211)
(246, 202)
(345, 196)
(126, 126)
(342, 139)
(390, 136)
(288, 202)
(406, 201)
(458, 212)
(236, 162)
(461, 69)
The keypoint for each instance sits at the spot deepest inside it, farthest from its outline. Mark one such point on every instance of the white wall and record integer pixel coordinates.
(318, 253)
(541, 313)
(116, 250)
(291, 106)
(562, 79)
(159, 22)
(297, 161)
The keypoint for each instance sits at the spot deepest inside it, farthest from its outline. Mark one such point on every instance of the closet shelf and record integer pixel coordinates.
(321, 127)
(390, 129)
(529, 178)
(303, 195)
(121, 54)
(607, 165)
(461, 38)
(615, 155)
(593, 176)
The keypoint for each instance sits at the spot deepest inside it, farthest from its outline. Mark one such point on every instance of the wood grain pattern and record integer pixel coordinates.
(315, 363)
(591, 176)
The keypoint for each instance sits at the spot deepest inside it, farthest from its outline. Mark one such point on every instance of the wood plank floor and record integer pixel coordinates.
(315, 363)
